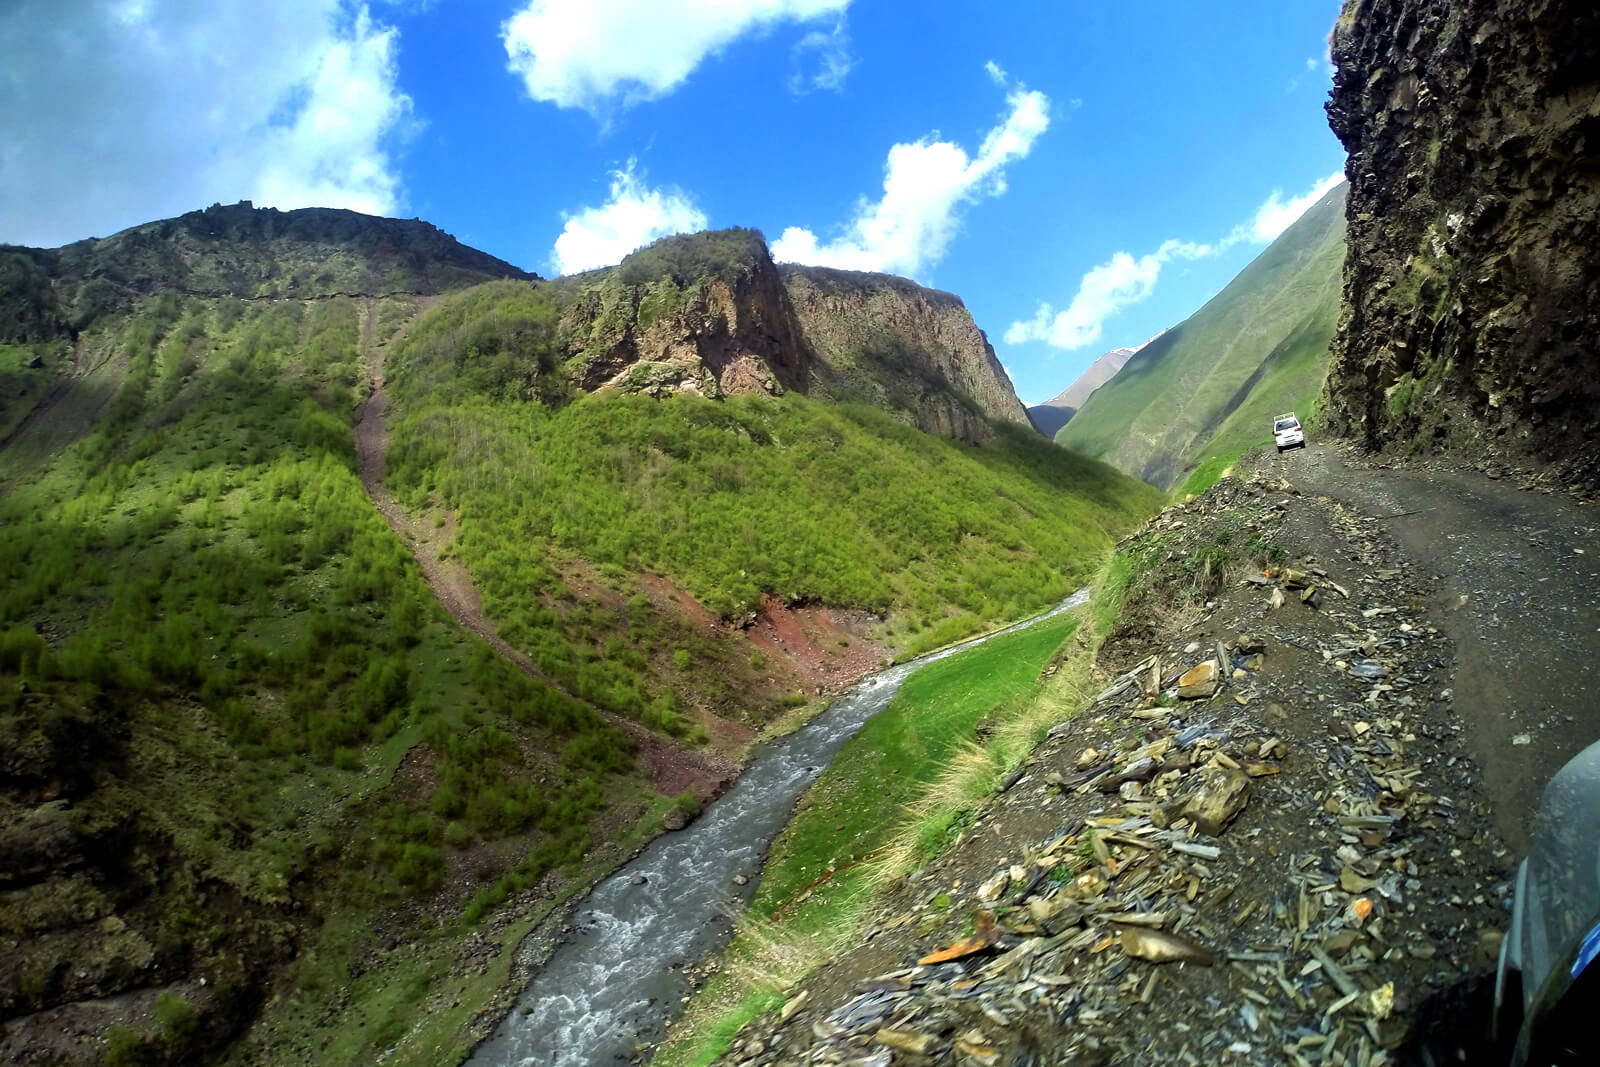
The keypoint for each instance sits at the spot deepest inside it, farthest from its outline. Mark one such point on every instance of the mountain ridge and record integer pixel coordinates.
(1208, 386)
(707, 313)
(241, 251)
(1056, 412)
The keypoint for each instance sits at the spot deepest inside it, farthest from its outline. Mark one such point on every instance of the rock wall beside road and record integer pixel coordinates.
(1471, 287)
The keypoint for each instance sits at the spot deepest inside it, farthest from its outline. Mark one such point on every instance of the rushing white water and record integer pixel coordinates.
(617, 979)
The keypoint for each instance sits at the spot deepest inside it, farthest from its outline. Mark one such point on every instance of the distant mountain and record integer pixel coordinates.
(1208, 387)
(1050, 416)
(238, 251)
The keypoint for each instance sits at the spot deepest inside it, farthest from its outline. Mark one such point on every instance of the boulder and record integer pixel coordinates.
(1199, 681)
(1216, 795)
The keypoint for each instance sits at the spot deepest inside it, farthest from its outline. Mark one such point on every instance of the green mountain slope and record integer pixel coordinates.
(734, 499)
(1209, 386)
(257, 787)
(238, 730)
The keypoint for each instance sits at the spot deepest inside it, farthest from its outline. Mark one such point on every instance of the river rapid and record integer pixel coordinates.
(618, 978)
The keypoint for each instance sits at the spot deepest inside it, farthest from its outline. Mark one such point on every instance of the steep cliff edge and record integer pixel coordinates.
(1471, 288)
(883, 340)
(711, 314)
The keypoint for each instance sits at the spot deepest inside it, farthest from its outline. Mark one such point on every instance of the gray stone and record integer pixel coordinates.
(1216, 796)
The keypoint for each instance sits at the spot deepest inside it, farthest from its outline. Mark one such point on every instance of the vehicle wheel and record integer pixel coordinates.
(1280, 450)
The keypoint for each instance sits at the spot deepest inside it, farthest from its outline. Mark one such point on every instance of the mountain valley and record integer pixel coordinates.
(256, 770)
(381, 622)
(1203, 392)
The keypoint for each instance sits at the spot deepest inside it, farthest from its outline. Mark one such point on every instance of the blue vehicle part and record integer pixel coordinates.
(1546, 986)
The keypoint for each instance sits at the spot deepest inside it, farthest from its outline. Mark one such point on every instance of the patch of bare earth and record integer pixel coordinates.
(825, 649)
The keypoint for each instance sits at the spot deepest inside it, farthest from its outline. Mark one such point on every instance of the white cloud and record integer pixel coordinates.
(924, 185)
(996, 72)
(591, 53)
(1276, 214)
(122, 114)
(1311, 65)
(822, 61)
(634, 216)
(1107, 289)
(1124, 280)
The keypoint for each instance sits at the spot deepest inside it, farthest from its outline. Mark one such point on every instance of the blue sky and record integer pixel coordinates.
(1082, 175)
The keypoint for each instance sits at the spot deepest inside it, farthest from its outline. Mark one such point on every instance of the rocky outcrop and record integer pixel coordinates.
(883, 340)
(711, 314)
(1471, 289)
(709, 328)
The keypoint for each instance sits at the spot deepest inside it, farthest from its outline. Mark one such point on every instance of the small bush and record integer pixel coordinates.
(687, 803)
(127, 1047)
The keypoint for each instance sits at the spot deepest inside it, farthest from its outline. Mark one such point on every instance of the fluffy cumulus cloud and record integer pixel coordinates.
(124, 112)
(593, 54)
(1124, 279)
(633, 216)
(925, 184)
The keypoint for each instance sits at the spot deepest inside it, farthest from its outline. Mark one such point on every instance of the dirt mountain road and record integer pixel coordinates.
(1515, 575)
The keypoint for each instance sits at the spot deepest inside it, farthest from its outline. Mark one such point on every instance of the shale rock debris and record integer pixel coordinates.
(1260, 843)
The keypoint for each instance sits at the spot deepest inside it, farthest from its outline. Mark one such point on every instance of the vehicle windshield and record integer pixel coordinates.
(1286, 424)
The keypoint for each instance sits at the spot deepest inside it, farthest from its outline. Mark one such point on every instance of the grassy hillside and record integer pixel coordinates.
(253, 778)
(241, 740)
(732, 499)
(1208, 388)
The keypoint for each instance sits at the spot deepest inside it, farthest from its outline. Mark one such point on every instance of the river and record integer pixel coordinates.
(617, 979)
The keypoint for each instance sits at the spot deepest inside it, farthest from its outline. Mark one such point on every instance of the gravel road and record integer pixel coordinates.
(1515, 574)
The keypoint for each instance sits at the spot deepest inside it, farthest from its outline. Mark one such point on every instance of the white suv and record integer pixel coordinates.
(1287, 433)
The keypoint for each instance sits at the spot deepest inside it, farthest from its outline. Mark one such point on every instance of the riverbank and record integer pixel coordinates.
(876, 814)
(625, 958)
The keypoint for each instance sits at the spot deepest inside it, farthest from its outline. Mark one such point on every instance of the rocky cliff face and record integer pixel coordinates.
(1472, 286)
(712, 324)
(711, 314)
(884, 340)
